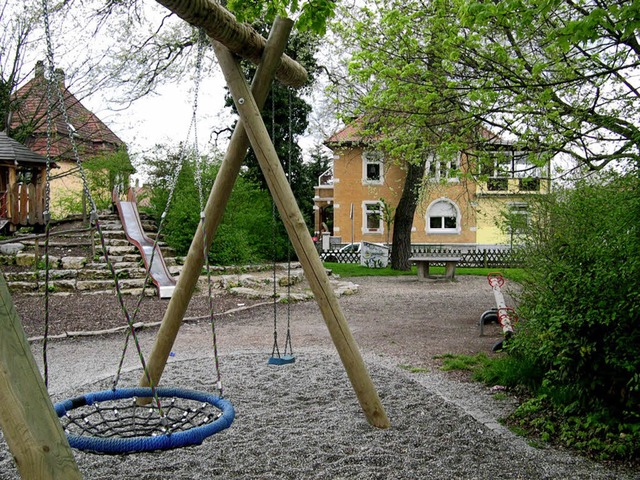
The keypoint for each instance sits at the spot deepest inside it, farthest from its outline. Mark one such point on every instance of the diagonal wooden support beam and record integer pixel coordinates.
(315, 272)
(27, 419)
(214, 209)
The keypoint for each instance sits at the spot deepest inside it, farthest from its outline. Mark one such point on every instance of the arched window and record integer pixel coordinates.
(443, 216)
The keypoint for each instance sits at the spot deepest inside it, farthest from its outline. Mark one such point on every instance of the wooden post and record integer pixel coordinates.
(314, 271)
(12, 191)
(33, 203)
(29, 423)
(216, 204)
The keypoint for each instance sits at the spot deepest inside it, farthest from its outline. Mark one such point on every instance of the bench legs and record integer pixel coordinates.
(423, 270)
(449, 270)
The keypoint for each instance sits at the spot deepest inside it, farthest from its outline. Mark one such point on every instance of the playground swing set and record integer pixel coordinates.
(29, 422)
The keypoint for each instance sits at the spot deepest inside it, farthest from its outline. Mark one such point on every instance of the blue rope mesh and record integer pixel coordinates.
(130, 428)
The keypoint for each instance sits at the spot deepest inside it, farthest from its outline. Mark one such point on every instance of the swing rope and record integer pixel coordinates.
(122, 428)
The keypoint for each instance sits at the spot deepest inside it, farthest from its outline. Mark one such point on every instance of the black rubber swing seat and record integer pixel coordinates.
(111, 422)
(283, 360)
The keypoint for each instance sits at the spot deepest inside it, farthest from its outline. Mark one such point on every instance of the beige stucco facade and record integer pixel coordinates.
(466, 212)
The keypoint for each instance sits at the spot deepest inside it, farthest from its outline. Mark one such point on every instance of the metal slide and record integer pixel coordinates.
(130, 218)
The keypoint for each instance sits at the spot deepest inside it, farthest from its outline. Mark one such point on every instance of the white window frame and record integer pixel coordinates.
(365, 217)
(433, 168)
(371, 157)
(443, 230)
(515, 164)
(519, 208)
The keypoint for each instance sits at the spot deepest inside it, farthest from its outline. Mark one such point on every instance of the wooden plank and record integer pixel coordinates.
(14, 202)
(241, 39)
(29, 423)
(23, 204)
(314, 271)
(32, 200)
(214, 209)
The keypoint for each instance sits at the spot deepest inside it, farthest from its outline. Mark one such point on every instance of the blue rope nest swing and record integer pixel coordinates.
(112, 421)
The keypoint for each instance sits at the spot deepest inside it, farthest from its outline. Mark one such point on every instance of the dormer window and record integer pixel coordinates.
(372, 168)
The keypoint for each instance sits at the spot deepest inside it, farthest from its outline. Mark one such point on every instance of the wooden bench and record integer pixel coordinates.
(423, 264)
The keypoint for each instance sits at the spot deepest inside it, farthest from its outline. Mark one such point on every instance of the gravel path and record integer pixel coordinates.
(303, 421)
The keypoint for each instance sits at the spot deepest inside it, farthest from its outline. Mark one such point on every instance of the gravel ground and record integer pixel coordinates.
(303, 421)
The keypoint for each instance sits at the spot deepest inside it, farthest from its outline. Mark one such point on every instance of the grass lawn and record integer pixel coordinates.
(355, 270)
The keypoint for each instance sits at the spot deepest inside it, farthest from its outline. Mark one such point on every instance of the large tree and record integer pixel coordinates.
(399, 89)
(551, 76)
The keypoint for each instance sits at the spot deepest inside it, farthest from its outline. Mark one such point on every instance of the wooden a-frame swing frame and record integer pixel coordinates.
(251, 130)
(30, 426)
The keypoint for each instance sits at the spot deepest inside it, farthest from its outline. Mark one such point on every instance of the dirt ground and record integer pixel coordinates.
(396, 316)
(302, 421)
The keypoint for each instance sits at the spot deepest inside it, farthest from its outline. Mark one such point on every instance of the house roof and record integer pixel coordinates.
(92, 135)
(349, 134)
(12, 151)
(352, 134)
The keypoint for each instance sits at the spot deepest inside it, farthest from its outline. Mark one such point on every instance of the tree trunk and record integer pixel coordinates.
(403, 221)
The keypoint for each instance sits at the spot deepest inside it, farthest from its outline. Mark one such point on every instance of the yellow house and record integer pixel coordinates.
(456, 208)
(91, 136)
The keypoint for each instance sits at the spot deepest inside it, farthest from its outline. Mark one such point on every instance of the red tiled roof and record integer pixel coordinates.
(349, 134)
(352, 134)
(92, 135)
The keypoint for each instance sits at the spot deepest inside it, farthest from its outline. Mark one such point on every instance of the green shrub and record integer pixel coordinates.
(581, 298)
(246, 233)
(577, 345)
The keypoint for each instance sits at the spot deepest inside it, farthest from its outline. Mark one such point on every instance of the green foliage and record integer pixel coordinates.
(105, 172)
(595, 433)
(357, 270)
(246, 234)
(581, 297)
(286, 115)
(557, 76)
(462, 362)
(312, 14)
(576, 346)
(412, 369)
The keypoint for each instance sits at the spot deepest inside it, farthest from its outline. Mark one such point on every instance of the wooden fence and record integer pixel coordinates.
(479, 258)
(23, 204)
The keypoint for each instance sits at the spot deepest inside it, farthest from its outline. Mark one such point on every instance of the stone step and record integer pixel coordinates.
(111, 234)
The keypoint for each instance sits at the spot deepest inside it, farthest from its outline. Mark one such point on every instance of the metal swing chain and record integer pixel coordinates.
(173, 180)
(93, 215)
(202, 38)
(47, 195)
(289, 157)
(275, 350)
(172, 185)
(287, 345)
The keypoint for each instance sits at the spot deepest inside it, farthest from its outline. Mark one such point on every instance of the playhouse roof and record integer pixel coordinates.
(12, 151)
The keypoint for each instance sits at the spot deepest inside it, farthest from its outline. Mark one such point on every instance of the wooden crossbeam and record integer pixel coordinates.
(220, 25)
